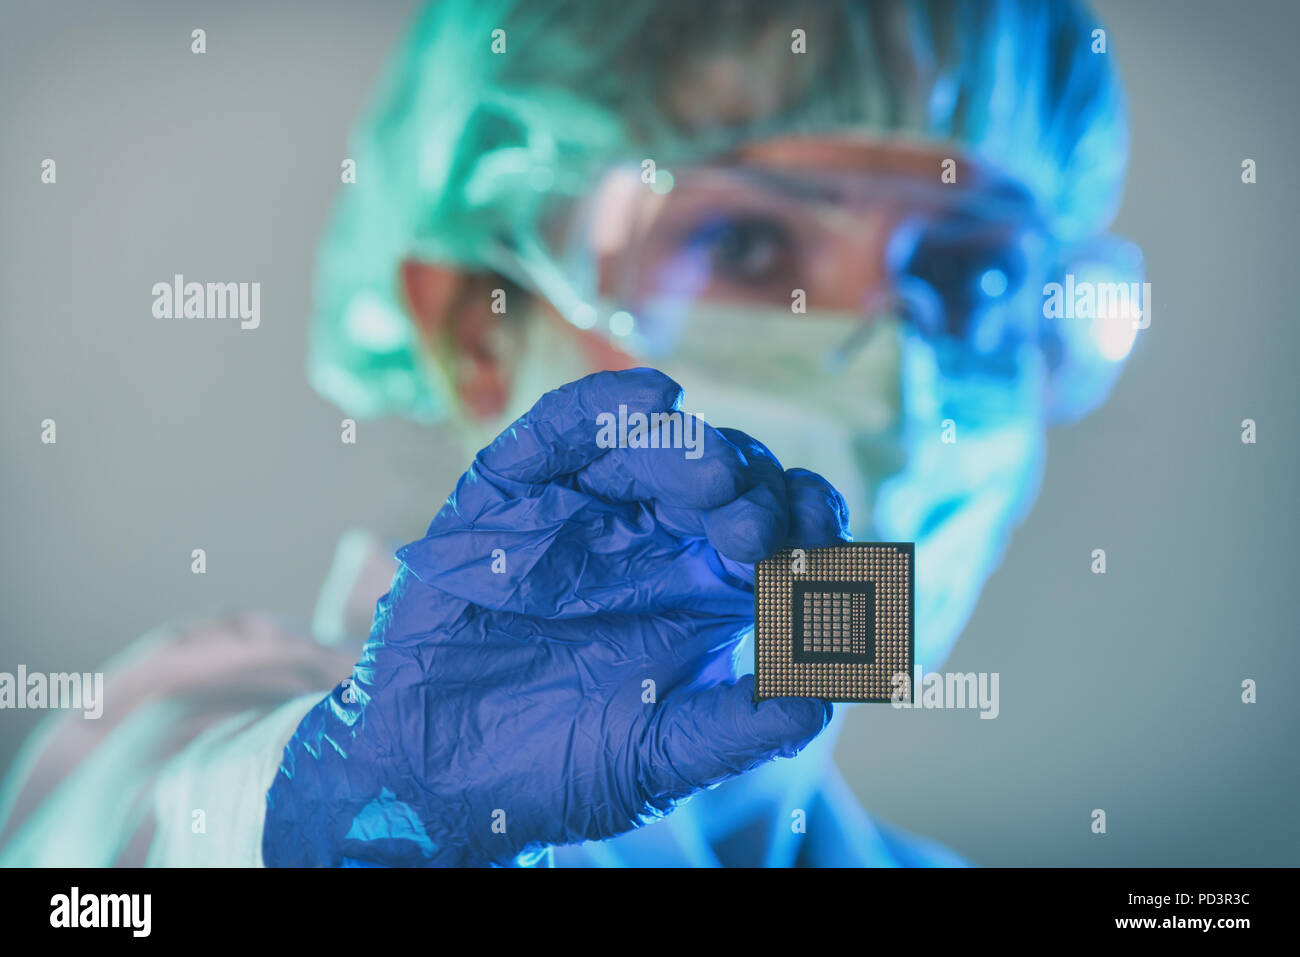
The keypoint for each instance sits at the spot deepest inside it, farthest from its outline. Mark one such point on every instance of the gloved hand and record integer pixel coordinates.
(554, 660)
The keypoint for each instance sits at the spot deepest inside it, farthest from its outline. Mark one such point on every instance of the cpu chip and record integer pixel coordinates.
(835, 623)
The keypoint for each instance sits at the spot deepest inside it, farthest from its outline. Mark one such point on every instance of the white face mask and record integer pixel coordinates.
(950, 464)
(975, 453)
(770, 375)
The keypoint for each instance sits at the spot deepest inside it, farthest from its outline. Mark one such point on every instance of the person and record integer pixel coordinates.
(826, 228)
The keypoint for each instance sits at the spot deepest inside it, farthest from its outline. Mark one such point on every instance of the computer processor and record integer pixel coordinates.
(835, 623)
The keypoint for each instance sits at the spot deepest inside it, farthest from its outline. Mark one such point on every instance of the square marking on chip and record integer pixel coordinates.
(835, 623)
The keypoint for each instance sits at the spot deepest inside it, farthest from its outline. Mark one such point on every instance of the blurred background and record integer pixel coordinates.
(1119, 691)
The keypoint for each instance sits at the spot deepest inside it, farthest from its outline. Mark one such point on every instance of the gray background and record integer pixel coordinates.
(1119, 691)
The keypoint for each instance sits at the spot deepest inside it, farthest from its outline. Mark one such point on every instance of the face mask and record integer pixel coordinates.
(919, 452)
(921, 449)
(975, 451)
(790, 382)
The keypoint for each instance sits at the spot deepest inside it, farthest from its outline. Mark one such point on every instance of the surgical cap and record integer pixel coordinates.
(489, 109)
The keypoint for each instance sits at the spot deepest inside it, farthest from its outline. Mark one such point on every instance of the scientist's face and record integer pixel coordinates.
(857, 307)
(793, 228)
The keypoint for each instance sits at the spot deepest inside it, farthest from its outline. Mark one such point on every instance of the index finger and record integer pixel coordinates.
(706, 470)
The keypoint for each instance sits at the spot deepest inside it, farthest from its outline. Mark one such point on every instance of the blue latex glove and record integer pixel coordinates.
(498, 712)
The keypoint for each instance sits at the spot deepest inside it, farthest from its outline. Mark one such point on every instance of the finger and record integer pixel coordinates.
(757, 523)
(818, 514)
(708, 736)
(679, 462)
(675, 648)
(752, 525)
(564, 554)
(558, 435)
(746, 531)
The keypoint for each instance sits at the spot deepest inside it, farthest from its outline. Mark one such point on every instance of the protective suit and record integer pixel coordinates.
(498, 718)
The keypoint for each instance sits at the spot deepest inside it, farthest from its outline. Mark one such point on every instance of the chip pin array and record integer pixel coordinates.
(840, 628)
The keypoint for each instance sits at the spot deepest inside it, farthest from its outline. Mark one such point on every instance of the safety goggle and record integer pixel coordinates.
(646, 252)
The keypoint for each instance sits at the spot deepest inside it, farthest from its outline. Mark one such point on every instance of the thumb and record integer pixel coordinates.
(707, 736)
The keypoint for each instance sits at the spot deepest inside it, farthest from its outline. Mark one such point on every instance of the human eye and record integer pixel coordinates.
(750, 250)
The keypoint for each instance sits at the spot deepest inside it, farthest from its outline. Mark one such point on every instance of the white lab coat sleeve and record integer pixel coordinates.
(210, 799)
